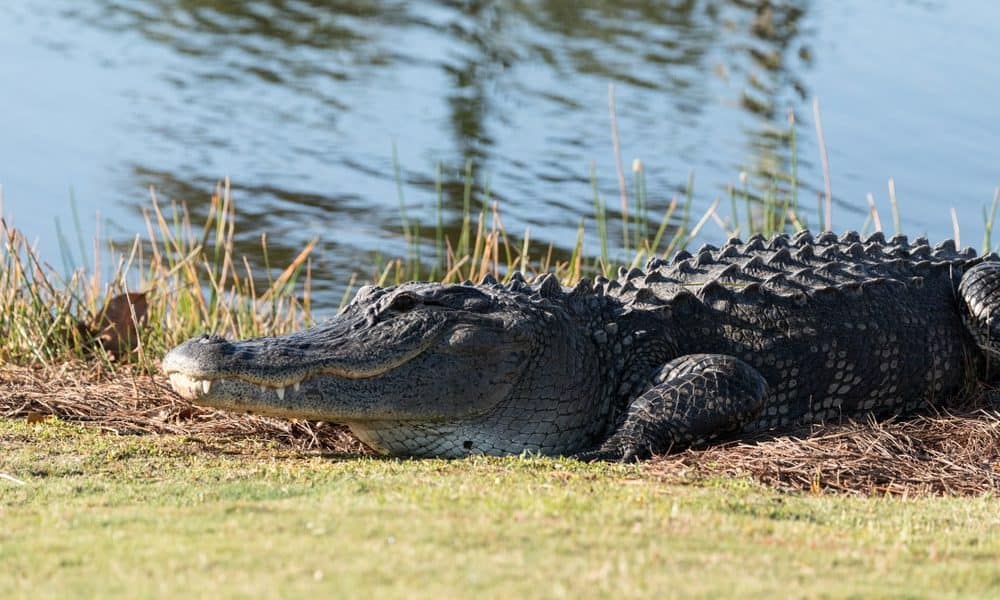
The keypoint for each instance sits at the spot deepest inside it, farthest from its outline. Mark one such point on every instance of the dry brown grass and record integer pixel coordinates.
(130, 403)
(944, 454)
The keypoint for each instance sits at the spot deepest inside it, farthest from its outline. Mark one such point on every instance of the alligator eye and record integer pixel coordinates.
(402, 303)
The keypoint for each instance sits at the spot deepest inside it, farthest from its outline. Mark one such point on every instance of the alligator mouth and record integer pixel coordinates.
(197, 386)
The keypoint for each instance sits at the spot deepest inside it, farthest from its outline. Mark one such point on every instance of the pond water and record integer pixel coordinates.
(301, 103)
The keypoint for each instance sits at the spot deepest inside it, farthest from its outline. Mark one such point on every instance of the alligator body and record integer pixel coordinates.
(752, 336)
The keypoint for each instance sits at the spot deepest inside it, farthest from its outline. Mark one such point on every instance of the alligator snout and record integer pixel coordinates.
(198, 356)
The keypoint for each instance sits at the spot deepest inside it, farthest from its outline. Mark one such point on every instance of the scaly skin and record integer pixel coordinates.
(752, 336)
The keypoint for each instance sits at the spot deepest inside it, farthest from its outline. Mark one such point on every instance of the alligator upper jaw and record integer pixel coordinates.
(195, 386)
(318, 396)
(198, 373)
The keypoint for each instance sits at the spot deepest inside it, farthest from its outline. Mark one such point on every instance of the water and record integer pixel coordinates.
(301, 102)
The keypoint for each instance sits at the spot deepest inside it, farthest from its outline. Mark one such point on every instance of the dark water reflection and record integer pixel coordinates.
(301, 102)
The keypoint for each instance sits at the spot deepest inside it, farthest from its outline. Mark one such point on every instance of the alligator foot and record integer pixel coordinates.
(694, 399)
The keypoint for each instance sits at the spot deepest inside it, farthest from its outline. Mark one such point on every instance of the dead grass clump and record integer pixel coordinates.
(945, 454)
(129, 403)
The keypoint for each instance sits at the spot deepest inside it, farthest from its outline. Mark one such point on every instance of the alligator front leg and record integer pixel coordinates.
(693, 399)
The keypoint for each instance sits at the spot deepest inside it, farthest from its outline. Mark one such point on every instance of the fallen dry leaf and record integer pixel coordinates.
(115, 326)
(36, 417)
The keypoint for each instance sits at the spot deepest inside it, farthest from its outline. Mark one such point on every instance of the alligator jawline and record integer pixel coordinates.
(201, 386)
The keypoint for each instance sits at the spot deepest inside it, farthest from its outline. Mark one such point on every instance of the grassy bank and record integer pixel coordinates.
(137, 516)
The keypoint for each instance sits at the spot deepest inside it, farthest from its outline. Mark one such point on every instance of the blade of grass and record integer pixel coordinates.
(794, 151)
(600, 215)
(989, 220)
(874, 212)
(279, 284)
(439, 229)
(825, 161)
(956, 230)
(655, 245)
(619, 168)
(896, 224)
(463, 239)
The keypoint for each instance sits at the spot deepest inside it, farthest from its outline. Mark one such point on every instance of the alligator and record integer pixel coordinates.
(766, 334)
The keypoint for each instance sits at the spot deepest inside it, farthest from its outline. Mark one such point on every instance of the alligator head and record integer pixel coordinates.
(420, 359)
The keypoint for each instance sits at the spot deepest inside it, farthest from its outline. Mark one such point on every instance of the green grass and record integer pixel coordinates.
(107, 516)
(187, 274)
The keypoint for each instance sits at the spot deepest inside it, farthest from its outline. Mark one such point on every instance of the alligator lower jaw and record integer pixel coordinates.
(197, 388)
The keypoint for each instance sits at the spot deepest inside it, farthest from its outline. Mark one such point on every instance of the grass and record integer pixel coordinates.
(180, 280)
(110, 516)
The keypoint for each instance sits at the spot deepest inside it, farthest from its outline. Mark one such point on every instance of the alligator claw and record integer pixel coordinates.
(620, 455)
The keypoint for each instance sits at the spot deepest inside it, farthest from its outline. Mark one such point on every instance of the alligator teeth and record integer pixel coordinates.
(281, 393)
(263, 389)
(190, 387)
(296, 385)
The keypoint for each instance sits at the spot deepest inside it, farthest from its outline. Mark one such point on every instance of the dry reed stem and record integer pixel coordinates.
(11, 479)
(943, 454)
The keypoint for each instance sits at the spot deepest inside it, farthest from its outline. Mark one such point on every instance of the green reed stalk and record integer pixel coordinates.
(600, 215)
(894, 203)
(989, 220)
(793, 148)
(439, 230)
